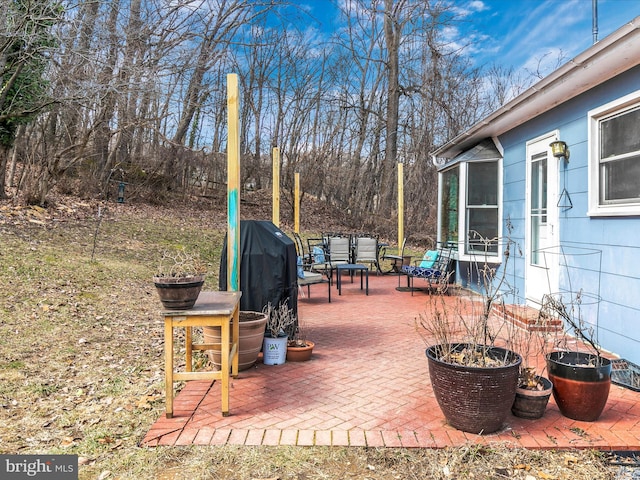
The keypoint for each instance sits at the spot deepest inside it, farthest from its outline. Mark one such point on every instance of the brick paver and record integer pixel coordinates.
(367, 384)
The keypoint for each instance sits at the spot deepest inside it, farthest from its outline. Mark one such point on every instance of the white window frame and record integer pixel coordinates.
(594, 117)
(462, 215)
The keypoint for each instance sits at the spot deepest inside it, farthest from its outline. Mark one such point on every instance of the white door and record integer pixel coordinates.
(541, 271)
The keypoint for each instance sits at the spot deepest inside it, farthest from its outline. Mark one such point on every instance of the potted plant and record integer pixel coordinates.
(534, 390)
(251, 336)
(179, 279)
(474, 380)
(280, 320)
(581, 380)
(299, 348)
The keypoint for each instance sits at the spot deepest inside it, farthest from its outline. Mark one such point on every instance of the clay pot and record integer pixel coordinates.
(300, 354)
(531, 404)
(252, 327)
(580, 384)
(474, 399)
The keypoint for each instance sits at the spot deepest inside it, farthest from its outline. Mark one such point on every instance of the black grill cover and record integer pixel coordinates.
(268, 269)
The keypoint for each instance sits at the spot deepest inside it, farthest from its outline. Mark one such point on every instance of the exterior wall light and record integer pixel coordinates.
(560, 150)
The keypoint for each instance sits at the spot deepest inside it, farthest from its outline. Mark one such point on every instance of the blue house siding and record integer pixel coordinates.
(604, 252)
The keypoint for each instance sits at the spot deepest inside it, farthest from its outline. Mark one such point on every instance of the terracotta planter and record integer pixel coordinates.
(474, 399)
(300, 354)
(252, 327)
(531, 404)
(580, 388)
(178, 293)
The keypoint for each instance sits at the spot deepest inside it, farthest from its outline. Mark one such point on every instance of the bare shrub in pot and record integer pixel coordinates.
(473, 371)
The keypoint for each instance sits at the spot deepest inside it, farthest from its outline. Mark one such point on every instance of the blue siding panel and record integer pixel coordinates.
(612, 274)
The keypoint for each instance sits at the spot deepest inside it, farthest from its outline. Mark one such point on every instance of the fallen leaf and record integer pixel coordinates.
(570, 459)
(546, 476)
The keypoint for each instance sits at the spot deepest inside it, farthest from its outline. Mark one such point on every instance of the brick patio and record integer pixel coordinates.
(367, 385)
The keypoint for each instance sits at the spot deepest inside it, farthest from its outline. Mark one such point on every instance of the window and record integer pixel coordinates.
(469, 202)
(449, 215)
(482, 207)
(614, 160)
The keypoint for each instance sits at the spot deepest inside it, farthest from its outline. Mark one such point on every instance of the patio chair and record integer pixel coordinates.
(318, 256)
(338, 252)
(366, 251)
(392, 263)
(313, 278)
(306, 277)
(433, 268)
(306, 258)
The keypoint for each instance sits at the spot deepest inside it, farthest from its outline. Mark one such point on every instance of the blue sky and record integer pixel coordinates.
(528, 35)
(521, 33)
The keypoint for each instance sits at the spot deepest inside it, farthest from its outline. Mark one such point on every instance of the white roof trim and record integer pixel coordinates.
(604, 60)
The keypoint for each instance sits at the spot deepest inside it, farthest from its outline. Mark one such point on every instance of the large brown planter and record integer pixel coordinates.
(252, 328)
(178, 293)
(531, 404)
(580, 388)
(474, 399)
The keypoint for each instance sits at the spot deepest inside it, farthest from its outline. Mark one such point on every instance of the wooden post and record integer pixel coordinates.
(233, 185)
(275, 210)
(400, 203)
(296, 203)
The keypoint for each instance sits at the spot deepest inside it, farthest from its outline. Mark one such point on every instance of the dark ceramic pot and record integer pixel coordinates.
(531, 404)
(178, 293)
(474, 399)
(580, 384)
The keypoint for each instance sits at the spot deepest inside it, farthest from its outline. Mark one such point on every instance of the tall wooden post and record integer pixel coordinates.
(275, 208)
(296, 203)
(400, 203)
(233, 184)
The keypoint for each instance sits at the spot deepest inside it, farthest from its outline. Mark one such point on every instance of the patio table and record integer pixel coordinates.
(351, 268)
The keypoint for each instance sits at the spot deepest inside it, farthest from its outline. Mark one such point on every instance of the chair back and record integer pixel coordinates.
(366, 250)
(404, 244)
(339, 249)
(299, 244)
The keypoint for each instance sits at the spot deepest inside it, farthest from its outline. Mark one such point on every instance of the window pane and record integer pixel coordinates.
(483, 183)
(620, 134)
(449, 214)
(539, 188)
(482, 224)
(620, 180)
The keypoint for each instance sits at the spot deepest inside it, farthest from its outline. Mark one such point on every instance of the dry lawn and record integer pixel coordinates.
(81, 368)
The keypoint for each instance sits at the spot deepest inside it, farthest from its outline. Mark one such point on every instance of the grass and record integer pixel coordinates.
(82, 361)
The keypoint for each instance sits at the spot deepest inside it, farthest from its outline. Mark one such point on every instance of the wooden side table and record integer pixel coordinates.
(212, 309)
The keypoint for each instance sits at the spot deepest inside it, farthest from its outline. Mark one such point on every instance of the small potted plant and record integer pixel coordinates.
(281, 319)
(179, 279)
(534, 390)
(299, 348)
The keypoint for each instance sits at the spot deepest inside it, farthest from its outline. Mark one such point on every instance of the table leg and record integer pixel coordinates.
(188, 335)
(235, 335)
(224, 367)
(366, 272)
(168, 366)
(338, 276)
